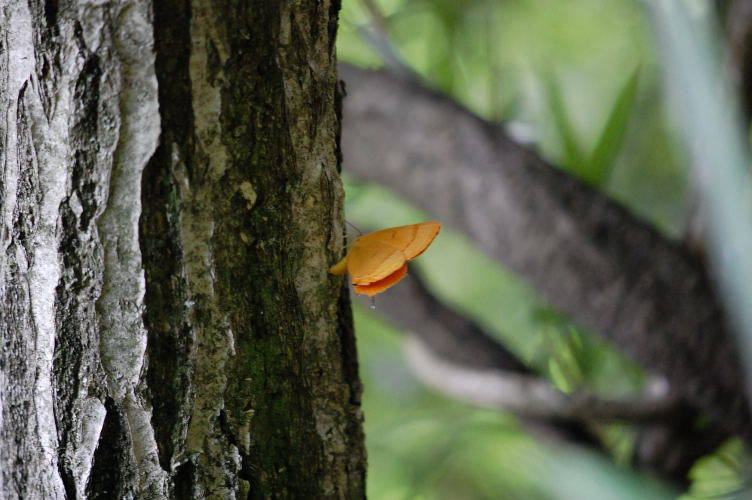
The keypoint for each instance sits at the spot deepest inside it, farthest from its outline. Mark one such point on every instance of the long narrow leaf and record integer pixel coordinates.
(573, 157)
(598, 167)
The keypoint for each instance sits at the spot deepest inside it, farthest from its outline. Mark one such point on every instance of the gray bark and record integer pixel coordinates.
(585, 254)
(170, 202)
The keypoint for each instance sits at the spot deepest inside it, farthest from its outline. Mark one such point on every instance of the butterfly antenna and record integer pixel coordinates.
(360, 233)
(373, 302)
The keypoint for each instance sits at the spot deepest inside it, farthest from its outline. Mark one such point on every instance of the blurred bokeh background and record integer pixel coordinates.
(579, 82)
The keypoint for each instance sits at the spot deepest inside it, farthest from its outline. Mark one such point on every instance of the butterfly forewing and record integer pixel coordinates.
(373, 260)
(412, 240)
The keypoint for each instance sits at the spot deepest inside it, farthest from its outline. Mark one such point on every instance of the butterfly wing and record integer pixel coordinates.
(371, 260)
(378, 260)
(412, 240)
(381, 285)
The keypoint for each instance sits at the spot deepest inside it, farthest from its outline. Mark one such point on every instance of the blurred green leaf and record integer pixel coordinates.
(564, 128)
(584, 476)
(620, 441)
(597, 169)
(722, 475)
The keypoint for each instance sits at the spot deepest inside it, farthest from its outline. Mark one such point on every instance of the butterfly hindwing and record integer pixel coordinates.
(381, 285)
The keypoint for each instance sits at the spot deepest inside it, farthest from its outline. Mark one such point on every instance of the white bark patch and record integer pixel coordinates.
(19, 63)
(121, 304)
(48, 139)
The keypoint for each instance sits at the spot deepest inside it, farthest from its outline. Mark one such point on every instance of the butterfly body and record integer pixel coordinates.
(379, 260)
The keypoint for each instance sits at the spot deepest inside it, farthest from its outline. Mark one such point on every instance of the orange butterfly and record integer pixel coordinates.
(379, 260)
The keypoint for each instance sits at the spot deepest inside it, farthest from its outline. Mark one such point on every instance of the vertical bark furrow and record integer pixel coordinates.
(312, 136)
(80, 385)
(171, 341)
(113, 474)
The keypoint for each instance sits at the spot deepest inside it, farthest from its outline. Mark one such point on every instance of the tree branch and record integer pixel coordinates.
(585, 254)
(527, 395)
(455, 356)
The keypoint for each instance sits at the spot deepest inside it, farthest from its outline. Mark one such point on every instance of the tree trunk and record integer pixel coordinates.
(170, 204)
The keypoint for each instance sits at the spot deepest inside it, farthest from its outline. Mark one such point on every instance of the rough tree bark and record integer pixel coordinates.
(170, 202)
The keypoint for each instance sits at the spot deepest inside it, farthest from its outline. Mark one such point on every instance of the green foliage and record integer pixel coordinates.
(574, 359)
(489, 54)
(594, 168)
(422, 446)
(572, 155)
(722, 475)
(598, 166)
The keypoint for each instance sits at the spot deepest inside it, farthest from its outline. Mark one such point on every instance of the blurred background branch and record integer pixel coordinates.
(587, 210)
(590, 258)
(454, 355)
